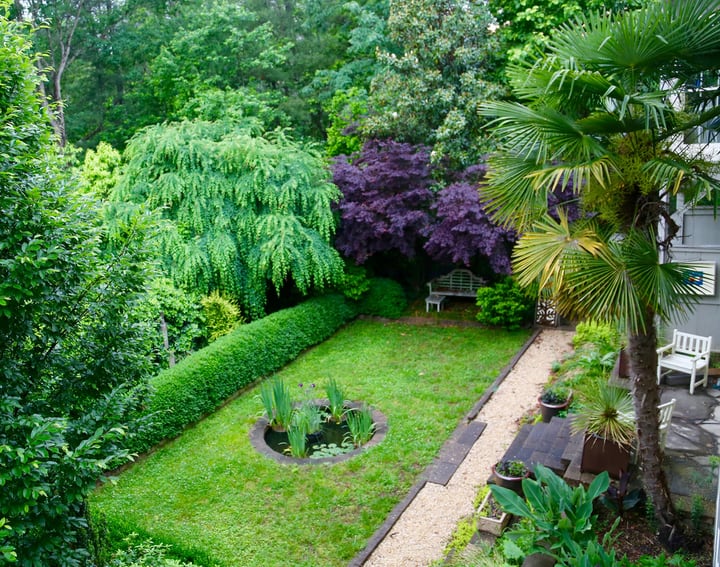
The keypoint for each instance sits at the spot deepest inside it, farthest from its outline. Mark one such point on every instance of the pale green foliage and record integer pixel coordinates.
(101, 170)
(221, 315)
(239, 209)
(431, 93)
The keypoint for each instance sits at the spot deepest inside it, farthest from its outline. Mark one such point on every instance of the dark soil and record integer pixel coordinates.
(635, 536)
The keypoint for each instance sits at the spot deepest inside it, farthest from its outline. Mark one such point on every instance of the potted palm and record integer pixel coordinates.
(553, 400)
(509, 473)
(606, 419)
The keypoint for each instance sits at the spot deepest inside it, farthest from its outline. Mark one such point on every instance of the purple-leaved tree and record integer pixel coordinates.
(387, 198)
(462, 230)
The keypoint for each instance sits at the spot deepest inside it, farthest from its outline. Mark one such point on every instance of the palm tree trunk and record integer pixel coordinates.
(646, 397)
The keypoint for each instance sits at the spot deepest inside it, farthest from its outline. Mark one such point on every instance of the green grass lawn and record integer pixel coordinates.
(218, 502)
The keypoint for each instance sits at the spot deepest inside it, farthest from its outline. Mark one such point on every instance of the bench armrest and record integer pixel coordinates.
(665, 348)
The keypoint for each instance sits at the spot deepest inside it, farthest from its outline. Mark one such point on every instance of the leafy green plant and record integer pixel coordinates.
(603, 337)
(144, 554)
(512, 468)
(307, 417)
(221, 315)
(322, 450)
(355, 281)
(297, 439)
(277, 403)
(385, 298)
(336, 400)
(555, 395)
(676, 560)
(504, 305)
(559, 516)
(361, 425)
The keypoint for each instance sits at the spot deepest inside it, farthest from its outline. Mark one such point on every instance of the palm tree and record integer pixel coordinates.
(602, 112)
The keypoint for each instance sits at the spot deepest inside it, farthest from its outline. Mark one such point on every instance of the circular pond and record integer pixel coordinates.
(328, 447)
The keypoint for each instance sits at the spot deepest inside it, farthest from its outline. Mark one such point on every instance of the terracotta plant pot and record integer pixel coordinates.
(548, 411)
(514, 483)
(604, 455)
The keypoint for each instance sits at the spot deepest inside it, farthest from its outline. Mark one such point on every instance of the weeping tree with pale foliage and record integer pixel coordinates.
(603, 111)
(238, 209)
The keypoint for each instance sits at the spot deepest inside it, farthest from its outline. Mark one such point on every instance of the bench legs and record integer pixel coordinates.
(436, 300)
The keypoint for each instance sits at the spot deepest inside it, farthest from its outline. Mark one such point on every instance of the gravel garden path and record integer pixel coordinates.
(422, 531)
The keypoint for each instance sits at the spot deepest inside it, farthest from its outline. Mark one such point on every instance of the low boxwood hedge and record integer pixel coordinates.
(201, 382)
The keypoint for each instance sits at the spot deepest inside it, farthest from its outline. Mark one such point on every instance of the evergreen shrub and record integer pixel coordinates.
(605, 337)
(385, 298)
(504, 305)
(201, 382)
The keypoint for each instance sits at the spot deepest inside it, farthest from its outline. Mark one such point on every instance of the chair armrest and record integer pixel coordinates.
(665, 348)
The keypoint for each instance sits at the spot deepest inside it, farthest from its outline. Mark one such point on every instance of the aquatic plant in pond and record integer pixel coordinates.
(309, 426)
(336, 400)
(360, 424)
(277, 401)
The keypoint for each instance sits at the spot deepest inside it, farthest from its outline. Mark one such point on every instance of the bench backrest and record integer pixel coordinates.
(458, 279)
(693, 345)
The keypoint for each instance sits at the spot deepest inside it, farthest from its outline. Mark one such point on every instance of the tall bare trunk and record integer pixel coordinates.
(646, 397)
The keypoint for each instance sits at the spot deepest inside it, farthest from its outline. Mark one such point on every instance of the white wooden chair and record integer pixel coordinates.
(665, 412)
(665, 416)
(687, 353)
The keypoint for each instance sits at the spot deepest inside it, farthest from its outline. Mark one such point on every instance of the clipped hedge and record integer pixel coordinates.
(201, 382)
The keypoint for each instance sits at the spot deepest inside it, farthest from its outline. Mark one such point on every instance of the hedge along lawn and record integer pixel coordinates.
(216, 501)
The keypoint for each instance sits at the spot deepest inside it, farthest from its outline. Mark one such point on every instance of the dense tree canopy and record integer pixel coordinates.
(239, 209)
(72, 354)
(431, 92)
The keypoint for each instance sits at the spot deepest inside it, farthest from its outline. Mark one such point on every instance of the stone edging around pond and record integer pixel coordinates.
(257, 439)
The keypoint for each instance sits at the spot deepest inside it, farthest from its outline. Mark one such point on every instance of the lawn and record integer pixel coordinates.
(218, 502)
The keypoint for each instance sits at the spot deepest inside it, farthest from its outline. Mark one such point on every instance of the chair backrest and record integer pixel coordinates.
(686, 343)
(665, 413)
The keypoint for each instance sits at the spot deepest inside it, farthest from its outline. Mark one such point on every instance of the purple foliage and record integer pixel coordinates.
(463, 230)
(386, 202)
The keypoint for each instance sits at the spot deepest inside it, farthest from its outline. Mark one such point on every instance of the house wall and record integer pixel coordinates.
(698, 241)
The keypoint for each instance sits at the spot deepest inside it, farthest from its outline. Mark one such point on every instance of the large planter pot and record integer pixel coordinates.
(490, 518)
(514, 483)
(548, 411)
(604, 455)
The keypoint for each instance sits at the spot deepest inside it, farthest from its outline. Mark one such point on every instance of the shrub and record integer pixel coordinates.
(605, 337)
(504, 305)
(221, 315)
(199, 383)
(385, 298)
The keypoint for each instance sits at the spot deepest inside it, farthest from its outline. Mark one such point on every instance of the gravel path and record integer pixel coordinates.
(423, 530)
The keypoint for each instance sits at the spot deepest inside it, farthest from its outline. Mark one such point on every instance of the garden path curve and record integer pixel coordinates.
(420, 527)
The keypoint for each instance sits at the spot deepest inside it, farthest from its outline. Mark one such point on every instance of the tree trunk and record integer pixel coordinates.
(166, 340)
(646, 397)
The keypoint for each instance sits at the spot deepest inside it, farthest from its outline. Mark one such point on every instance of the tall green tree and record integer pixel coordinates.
(431, 93)
(72, 354)
(603, 110)
(525, 26)
(240, 210)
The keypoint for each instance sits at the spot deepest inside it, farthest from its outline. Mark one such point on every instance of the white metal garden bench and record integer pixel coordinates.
(460, 282)
(686, 353)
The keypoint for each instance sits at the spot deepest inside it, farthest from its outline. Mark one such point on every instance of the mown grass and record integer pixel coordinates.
(217, 501)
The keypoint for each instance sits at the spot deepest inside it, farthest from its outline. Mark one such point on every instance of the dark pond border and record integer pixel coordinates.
(257, 439)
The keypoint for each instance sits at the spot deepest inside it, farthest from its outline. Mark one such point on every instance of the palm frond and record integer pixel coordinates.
(511, 198)
(543, 252)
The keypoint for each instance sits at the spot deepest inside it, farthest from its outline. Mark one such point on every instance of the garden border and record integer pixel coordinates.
(459, 436)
